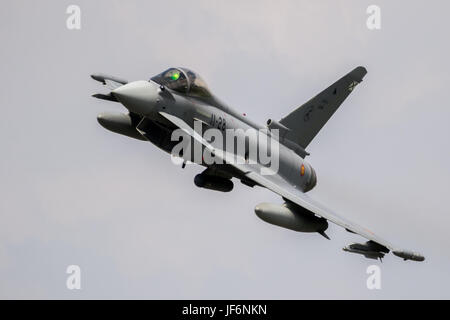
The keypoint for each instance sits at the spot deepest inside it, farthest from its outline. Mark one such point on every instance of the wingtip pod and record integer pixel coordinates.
(408, 255)
(358, 73)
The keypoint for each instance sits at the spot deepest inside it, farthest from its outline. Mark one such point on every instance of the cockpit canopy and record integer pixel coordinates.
(184, 81)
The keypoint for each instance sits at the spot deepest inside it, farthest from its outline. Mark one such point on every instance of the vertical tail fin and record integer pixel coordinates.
(306, 121)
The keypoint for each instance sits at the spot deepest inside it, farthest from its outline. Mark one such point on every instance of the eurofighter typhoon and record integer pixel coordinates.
(176, 111)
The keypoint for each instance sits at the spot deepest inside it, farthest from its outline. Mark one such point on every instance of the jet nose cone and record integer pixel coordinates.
(125, 91)
(138, 96)
(130, 90)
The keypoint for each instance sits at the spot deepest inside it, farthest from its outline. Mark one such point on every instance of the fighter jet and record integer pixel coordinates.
(178, 100)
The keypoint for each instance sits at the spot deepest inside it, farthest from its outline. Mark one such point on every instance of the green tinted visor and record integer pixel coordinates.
(175, 76)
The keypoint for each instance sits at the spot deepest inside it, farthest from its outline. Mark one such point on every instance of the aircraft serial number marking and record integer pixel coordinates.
(218, 122)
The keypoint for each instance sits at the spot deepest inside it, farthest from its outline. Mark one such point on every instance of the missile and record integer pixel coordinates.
(119, 123)
(291, 216)
(408, 255)
(370, 249)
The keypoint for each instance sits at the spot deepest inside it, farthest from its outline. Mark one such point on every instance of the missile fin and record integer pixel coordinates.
(323, 234)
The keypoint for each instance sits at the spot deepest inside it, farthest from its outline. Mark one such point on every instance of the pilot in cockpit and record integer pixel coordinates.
(184, 81)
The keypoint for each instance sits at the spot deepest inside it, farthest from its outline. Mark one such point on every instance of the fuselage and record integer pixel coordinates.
(148, 99)
(176, 109)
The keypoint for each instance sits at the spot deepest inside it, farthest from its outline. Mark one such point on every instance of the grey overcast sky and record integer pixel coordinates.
(74, 193)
